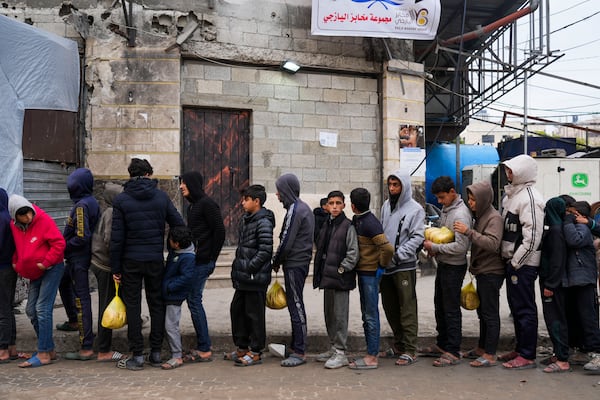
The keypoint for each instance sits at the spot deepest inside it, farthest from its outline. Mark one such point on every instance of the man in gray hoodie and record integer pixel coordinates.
(294, 254)
(403, 221)
(452, 266)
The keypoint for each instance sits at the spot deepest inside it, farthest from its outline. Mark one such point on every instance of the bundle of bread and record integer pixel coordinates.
(439, 235)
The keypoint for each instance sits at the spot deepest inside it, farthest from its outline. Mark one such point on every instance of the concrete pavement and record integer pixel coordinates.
(217, 300)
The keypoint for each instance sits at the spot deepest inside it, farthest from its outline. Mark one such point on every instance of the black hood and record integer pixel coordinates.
(195, 184)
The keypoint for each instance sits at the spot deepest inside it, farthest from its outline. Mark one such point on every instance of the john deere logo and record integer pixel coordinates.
(579, 180)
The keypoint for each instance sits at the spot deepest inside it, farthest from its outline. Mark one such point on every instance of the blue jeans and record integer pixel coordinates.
(40, 304)
(194, 301)
(368, 287)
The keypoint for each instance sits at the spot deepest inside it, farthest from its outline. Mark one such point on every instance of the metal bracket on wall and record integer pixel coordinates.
(129, 23)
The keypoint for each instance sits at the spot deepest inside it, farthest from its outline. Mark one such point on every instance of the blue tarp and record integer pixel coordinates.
(38, 70)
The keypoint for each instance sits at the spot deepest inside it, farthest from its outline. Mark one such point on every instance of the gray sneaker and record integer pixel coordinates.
(323, 357)
(338, 360)
(594, 365)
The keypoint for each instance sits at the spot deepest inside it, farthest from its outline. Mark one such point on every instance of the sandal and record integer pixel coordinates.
(508, 356)
(519, 363)
(249, 359)
(482, 362)
(293, 360)
(549, 360)
(172, 363)
(431, 351)
(555, 368)
(446, 360)
(195, 356)
(360, 363)
(472, 354)
(406, 359)
(115, 356)
(389, 353)
(235, 355)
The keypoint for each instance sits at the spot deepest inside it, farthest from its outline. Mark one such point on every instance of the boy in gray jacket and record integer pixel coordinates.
(452, 266)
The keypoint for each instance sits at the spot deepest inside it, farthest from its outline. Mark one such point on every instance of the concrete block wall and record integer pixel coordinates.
(288, 113)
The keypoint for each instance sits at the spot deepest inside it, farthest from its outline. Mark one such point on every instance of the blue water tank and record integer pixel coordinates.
(441, 160)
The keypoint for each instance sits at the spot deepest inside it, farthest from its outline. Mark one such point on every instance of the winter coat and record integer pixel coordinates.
(337, 247)
(411, 215)
(180, 272)
(373, 246)
(7, 249)
(38, 242)
(297, 232)
(523, 214)
(204, 219)
(101, 236)
(486, 234)
(83, 216)
(553, 259)
(581, 255)
(138, 226)
(251, 268)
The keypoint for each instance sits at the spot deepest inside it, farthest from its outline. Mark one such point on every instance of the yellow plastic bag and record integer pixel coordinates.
(276, 296)
(469, 300)
(439, 235)
(114, 316)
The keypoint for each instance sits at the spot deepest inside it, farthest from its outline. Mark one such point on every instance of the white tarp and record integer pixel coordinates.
(38, 70)
(401, 19)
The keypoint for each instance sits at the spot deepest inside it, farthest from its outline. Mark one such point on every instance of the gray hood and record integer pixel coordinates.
(288, 187)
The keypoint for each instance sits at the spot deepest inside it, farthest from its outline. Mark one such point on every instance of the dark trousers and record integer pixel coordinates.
(555, 315)
(586, 297)
(78, 268)
(488, 290)
(248, 319)
(8, 330)
(520, 292)
(294, 288)
(150, 274)
(399, 299)
(67, 295)
(106, 292)
(446, 299)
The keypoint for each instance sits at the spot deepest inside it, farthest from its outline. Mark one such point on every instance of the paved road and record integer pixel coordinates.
(221, 380)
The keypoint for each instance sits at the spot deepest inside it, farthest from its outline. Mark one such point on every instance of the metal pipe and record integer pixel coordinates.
(494, 25)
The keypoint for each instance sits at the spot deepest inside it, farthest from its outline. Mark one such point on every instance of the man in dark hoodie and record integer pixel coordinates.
(8, 282)
(206, 222)
(294, 254)
(78, 254)
(137, 257)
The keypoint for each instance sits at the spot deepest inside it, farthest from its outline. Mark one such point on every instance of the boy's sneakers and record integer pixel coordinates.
(594, 365)
(338, 360)
(154, 359)
(323, 357)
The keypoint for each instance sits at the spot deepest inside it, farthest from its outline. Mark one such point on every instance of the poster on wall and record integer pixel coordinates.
(411, 136)
(401, 19)
(411, 141)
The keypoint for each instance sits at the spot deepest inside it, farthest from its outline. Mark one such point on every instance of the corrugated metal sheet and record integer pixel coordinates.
(45, 184)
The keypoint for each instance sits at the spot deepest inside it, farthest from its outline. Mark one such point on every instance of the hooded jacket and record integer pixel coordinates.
(454, 253)
(138, 226)
(582, 269)
(204, 219)
(338, 249)
(374, 247)
(251, 268)
(486, 234)
(7, 248)
(553, 258)
(83, 216)
(523, 214)
(101, 235)
(40, 241)
(409, 216)
(180, 272)
(297, 232)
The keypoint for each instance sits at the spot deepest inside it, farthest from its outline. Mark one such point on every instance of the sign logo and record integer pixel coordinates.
(579, 180)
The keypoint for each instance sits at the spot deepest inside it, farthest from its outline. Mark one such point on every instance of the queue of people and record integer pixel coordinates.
(125, 244)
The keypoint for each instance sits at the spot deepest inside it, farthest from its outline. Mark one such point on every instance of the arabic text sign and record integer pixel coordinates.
(402, 19)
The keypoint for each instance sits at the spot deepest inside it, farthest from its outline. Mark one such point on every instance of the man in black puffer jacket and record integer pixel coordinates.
(137, 256)
(251, 275)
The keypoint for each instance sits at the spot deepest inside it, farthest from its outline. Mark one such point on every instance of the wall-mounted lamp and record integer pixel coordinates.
(291, 67)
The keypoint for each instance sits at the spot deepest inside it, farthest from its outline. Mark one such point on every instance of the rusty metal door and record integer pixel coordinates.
(217, 144)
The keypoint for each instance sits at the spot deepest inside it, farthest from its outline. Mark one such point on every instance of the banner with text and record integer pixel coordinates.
(401, 19)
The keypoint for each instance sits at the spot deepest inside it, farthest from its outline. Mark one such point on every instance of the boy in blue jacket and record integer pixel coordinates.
(176, 284)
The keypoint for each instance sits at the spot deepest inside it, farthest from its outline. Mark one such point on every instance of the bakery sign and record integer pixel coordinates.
(401, 19)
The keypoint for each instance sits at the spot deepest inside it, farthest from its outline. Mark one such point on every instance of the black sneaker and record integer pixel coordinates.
(154, 360)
